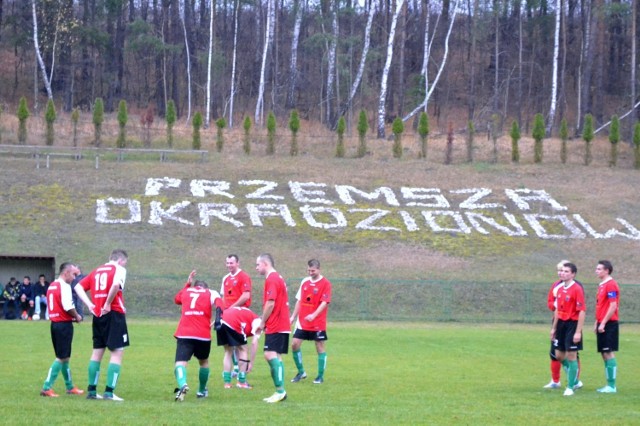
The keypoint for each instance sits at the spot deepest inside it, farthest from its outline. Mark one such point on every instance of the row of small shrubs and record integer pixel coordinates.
(538, 133)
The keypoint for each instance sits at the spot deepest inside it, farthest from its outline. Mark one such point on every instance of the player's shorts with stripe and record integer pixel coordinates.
(608, 341)
(186, 348)
(277, 342)
(310, 335)
(564, 336)
(228, 336)
(110, 331)
(62, 337)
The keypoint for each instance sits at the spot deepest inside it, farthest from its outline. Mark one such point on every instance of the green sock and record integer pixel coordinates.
(235, 361)
(242, 377)
(203, 378)
(297, 359)
(94, 374)
(66, 373)
(113, 372)
(226, 376)
(181, 375)
(322, 363)
(572, 374)
(54, 370)
(611, 367)
(276, 372)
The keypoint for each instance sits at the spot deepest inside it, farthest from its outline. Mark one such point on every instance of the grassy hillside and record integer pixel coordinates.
(53, 211)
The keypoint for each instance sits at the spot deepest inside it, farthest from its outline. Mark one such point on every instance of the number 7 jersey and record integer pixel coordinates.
(100, 281)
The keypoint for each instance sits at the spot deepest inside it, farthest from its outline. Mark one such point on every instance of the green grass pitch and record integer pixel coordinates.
(377, 373)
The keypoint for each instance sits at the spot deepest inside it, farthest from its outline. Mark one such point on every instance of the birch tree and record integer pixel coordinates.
(554, 74)
(331, 60)
(387, 66)
(236, 12)
(208, 97)
(188, 54)
(293, 62)
(46, 78)
(429, 92)
(268, 39)
(363, 59)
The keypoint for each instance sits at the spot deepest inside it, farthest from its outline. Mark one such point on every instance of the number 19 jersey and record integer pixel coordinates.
(100, 281)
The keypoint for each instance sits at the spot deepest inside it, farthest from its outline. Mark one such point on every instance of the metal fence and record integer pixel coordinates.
(410, 300)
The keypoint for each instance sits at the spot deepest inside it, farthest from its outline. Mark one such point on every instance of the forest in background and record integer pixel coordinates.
(465, 61)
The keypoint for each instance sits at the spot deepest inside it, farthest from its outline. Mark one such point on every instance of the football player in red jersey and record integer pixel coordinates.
(568, 323)
(110, 331)
(274, 322)
(193, 334)
(235, 291)
(312, 301)
(606, 325)
(238, 323)
(62, 313)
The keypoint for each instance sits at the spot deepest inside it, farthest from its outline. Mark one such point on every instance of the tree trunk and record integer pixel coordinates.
(554, 75)
(188, 57)
(236, 13)
(43, 70)
(363, 59)
(293, 64)
(331, 62)
(268, 38)
(207, 119)
(385, 73)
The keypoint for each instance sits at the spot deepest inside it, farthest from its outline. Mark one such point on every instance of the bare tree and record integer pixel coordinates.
(268, 39)
(387, 66)
(188, 55)
(293, 64)
(43, 69)
(431, 88)
(331, 60)
(236, 12)
(363, 59)
(207, 117)
(554, 76)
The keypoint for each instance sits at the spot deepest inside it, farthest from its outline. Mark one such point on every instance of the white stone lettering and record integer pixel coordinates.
(432, 221)
(302, 194)
(155, 184)
(471, 203)
(258, 211)
(633, 234)
(157, 213)
(433, 194)
(521, 197)
(261, 193)
(200, 187)
(541, 231)
(475, 219)
(344, 192)
(131, 210)
(409, 221)
(309, 214)
(368, 222)
(222, 211)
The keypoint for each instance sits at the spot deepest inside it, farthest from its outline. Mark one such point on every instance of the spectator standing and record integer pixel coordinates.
(193, 335)
(11, 296)
(62, 315)
(27, 304)
(110, 331)
(40, 296)
(275, 323)
(606, 325)
(312, 302)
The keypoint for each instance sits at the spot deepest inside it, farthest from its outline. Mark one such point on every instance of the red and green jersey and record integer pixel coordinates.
(275, 288)
(311, 295)
(240, 320)
(233, 286)
(197, 306)
(100, 281)
(570, 301)
(59, 301)
(608, 292)
(551, 297)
